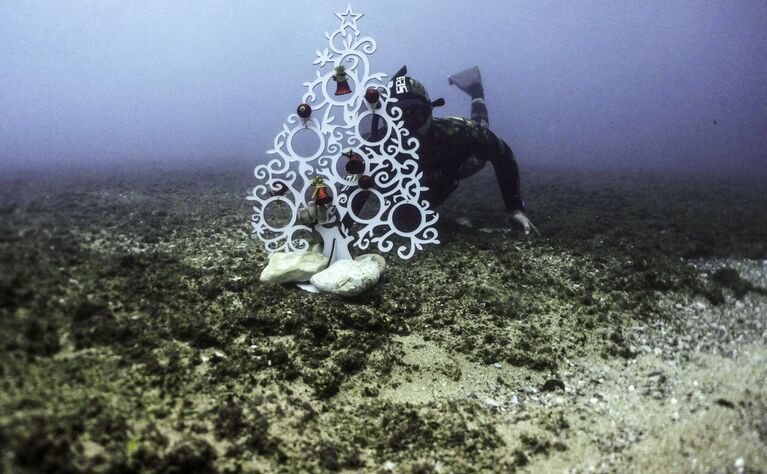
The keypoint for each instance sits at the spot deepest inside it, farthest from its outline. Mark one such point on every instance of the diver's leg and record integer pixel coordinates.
(470, 81)
(479, 111)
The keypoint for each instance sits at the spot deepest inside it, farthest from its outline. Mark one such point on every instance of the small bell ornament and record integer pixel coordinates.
(321, 194)
(355, 165)
(342, 85)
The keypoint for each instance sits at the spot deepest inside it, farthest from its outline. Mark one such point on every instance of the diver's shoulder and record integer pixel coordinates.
(453, 122)
(456, 120)
(463, 125)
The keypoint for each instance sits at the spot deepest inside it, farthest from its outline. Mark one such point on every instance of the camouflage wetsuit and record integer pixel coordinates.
(455, 148)
(451, 148)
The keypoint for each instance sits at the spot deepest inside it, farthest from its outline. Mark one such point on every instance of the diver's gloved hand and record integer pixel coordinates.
(519, 219)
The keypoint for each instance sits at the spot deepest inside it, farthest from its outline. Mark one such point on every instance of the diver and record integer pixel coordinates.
(454, 148)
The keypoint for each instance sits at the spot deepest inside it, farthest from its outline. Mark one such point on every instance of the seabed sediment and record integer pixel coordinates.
(630, 337)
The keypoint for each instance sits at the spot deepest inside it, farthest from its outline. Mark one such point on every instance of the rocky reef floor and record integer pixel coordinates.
(631, 336)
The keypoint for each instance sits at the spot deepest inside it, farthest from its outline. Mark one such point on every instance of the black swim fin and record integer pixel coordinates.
(469, 81)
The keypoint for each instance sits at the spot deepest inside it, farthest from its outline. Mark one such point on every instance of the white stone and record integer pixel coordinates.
(373, 257)
(287, 267)
(491, 402)
(347, 277)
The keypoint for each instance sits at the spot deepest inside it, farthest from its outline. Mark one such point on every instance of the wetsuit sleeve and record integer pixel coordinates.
(499, 154)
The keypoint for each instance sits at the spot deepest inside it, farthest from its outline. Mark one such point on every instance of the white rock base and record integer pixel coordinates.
(348, 277)
(287, 267)
(374, 257)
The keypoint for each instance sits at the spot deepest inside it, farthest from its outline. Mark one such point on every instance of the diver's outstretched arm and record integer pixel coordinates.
(507, 174)
(506, 170)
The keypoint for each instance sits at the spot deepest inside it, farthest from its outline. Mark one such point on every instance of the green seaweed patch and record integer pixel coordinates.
(451, 433)
(244, 424)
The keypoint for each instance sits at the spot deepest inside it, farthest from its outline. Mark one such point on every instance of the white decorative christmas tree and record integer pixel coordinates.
(363, 155)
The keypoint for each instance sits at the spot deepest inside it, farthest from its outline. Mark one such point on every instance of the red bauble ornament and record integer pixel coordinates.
(372, 95)
(365, 182)
(304, 111)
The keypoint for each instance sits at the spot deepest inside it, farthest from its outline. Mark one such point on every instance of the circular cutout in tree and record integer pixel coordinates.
(407, 218)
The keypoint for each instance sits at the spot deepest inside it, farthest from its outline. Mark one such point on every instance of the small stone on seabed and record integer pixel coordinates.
(552, 384)
(492, 403)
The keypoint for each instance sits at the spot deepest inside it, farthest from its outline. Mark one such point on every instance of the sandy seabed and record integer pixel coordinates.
(631, 336)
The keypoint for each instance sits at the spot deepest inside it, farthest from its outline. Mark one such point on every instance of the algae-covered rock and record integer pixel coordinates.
(348, 277)
(293, 266)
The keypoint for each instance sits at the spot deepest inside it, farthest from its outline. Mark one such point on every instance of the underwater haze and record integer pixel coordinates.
(626, 333)
(661, 85)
